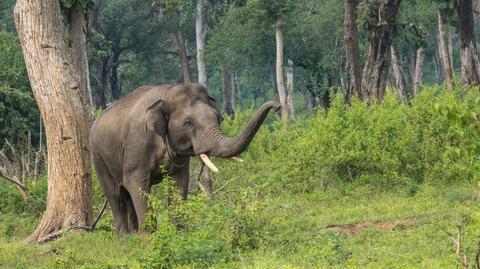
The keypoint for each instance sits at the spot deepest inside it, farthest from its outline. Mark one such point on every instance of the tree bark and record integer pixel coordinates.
(418, 77)
(182, 54)
(201, 35)
(380, 37)
(399, 77)
(352, 50)
(468, 47)
(290, 88)
(443, 51)
(58, 77)
(227, 93)
(282, 96)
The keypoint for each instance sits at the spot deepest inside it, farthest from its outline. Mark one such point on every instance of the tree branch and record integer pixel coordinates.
(11, 180)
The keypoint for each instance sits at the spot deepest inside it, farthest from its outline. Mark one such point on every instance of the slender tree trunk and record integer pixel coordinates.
(274, 81)
(450, 50)
(352, 50)
(182, 54)
(201, 36)
(238, 90)
(418, 77)
(233, 88)
(411, 63)
(443, 51)
(290, 89)
(282, 96)
(468, 47)
(101, 65)
(102, 70)
(115, 89)
(227, 93)
(399, 77)
(308, 101)
(437, 68)
(380, 37)
(58, 76)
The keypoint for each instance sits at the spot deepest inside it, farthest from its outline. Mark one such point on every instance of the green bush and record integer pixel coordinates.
(198, 231)
(434, 139)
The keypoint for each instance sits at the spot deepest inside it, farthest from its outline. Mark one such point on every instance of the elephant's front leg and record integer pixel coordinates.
(181, 175)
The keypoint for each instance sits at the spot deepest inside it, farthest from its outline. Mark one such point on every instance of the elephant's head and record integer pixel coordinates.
(189, 121)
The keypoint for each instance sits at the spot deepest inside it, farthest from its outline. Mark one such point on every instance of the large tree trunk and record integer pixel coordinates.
(352, 50)
(399, 77)
(469, 58)
(282, 96)
(290, 88)
(58, 75)
(380, 37)
(182, 54)
(444, 53)
(418, 77)
(201, 35)
(227, 93)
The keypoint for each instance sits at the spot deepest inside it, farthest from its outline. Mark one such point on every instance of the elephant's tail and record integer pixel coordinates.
(105, 203)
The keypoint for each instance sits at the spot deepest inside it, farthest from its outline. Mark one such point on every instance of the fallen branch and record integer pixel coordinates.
(228, 183)
(11, 180)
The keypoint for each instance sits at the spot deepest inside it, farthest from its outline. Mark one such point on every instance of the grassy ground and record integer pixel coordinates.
(353, 227)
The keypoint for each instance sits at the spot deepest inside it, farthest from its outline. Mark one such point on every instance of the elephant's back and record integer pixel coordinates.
(111, 125)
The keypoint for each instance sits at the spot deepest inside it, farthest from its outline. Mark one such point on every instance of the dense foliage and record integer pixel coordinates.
(18, 111)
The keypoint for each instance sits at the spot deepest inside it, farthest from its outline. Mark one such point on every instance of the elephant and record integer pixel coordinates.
(154, 127)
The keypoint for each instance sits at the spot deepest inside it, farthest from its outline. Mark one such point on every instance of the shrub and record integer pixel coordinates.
(198, 232)
(434, 139)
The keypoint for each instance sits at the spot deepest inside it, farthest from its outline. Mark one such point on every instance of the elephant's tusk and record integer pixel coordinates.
(208, 163)
(236, 159)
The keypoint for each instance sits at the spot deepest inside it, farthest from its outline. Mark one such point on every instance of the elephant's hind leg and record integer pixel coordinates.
(112, 191)
(131, 216)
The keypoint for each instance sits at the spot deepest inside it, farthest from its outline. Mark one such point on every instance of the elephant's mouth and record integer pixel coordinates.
(208, 163)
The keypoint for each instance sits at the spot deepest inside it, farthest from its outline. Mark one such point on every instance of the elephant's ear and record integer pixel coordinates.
(213, 103)
(155, 119)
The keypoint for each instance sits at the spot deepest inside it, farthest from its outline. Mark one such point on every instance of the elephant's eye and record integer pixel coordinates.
(188, 123)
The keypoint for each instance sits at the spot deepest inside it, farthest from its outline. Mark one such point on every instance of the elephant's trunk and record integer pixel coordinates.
(226, 147)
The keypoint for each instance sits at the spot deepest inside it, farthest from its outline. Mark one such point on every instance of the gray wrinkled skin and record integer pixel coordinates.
(158, 126)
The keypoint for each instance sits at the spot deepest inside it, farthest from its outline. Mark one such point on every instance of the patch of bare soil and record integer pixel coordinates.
(356, 229)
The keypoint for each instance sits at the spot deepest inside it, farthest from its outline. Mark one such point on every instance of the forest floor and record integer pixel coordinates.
(347, 227)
